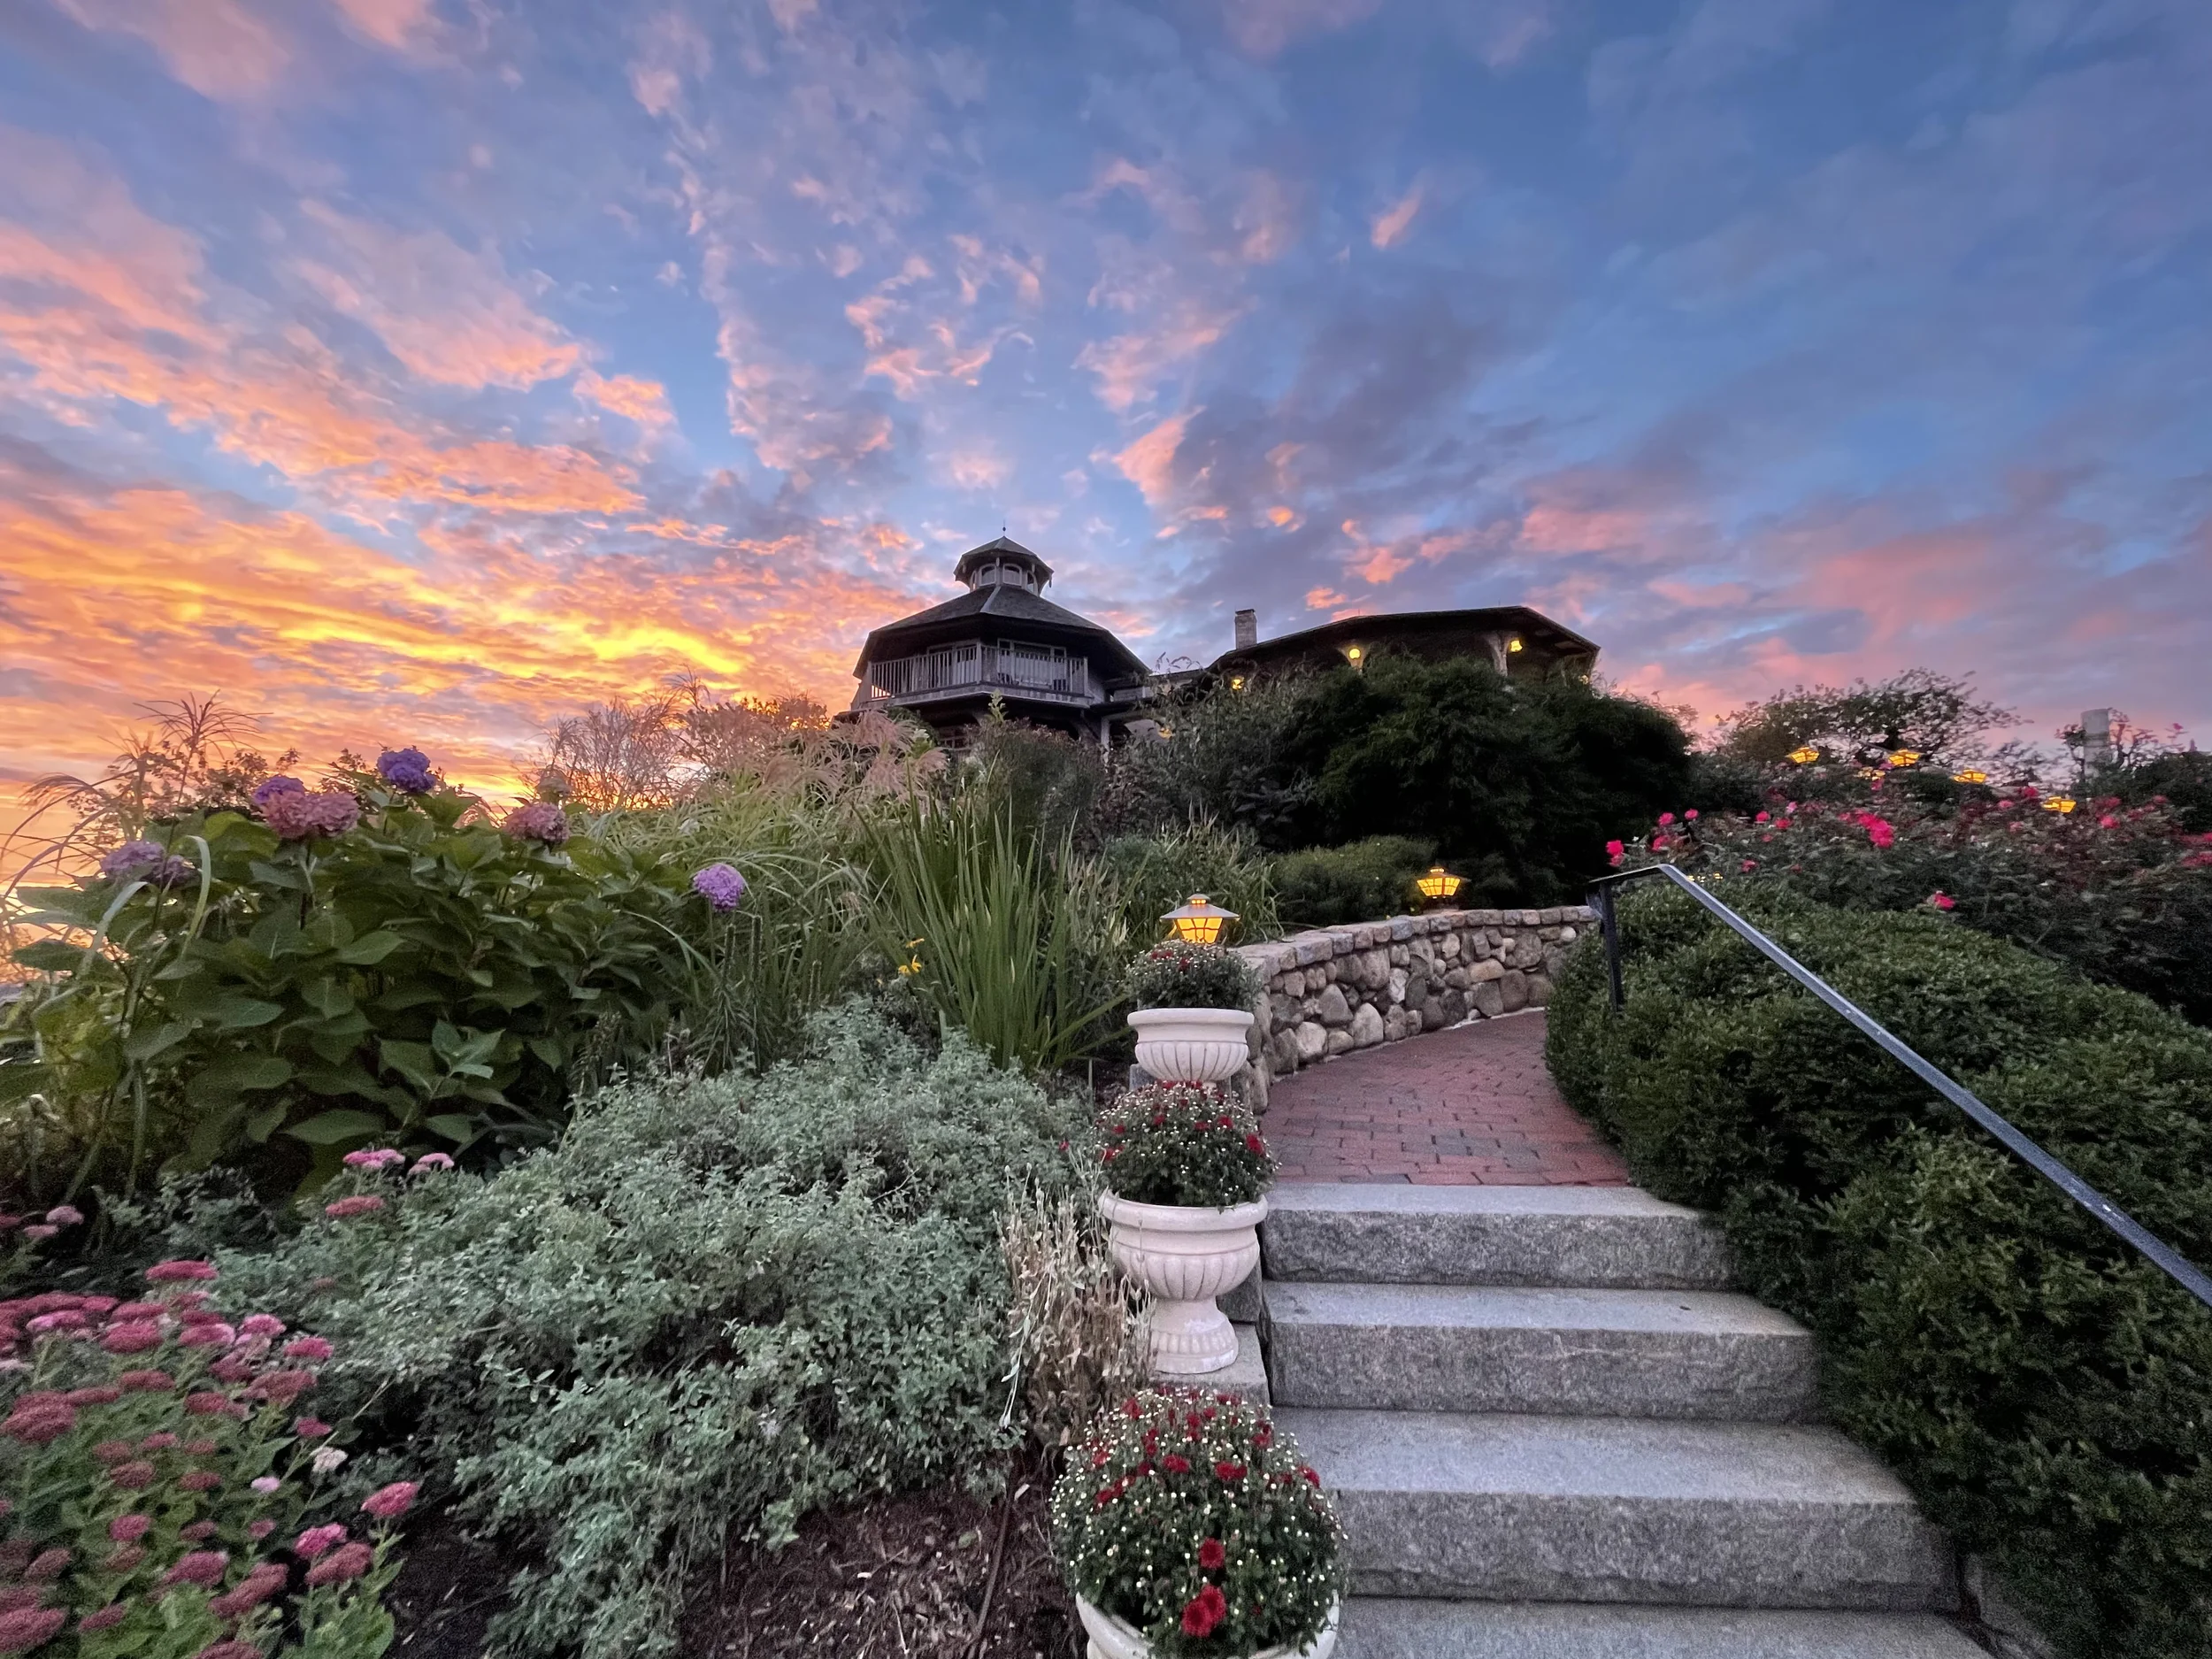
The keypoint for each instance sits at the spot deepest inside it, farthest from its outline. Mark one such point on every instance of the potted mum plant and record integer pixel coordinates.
(1185, 1173)
(1193, 1014)
(1189, 1527)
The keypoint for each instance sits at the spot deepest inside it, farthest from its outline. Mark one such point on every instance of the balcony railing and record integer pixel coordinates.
(1032, 670)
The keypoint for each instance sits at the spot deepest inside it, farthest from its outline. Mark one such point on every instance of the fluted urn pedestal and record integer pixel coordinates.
(1185, 1255)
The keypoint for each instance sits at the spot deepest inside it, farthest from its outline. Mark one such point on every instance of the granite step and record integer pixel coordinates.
(1560, 1509)
(1673, 1354)
(1613, 1238)
(1386, 1628)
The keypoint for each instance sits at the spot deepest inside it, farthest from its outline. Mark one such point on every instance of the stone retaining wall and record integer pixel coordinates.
(1335, 989)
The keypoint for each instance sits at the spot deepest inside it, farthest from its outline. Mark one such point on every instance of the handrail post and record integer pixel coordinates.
(1609, 926)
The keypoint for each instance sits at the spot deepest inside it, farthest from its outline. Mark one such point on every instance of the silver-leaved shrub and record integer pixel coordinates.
(712, 1306)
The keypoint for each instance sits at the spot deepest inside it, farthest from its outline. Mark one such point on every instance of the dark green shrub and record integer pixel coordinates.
(1363, 882)
(2047, 1394)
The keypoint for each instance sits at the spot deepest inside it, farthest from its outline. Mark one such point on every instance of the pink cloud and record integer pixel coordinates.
(218, 48)
(393, 23)
(1391, 225)
(1265, 27)
(1149, 461)
(450, 315)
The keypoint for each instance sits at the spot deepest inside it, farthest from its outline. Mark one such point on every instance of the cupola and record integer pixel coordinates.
(1003, 563)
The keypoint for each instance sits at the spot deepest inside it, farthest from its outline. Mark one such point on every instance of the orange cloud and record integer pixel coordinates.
(450, 315)
(644, 402)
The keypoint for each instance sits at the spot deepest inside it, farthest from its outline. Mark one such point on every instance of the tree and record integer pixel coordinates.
(1521, 783)
(1918, 710)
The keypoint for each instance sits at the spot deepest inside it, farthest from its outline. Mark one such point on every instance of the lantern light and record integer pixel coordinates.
(1513, 645)
(1200, 921)
(1236, 682)
(1904, 757)
(1439, 884)
(2060, 803)
(1969, 774)
(1355, 656)
(1805, 755)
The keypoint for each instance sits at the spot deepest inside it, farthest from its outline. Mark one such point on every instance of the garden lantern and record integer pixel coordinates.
(1805, 755)
(2060, 803)
(1904, 757)
(1514, 645)
(1439, 884)
(1200, 921)
(1969, 774)
(1355, 657)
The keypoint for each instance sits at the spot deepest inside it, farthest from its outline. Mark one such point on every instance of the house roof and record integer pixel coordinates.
(1412, 629)
(966, 616)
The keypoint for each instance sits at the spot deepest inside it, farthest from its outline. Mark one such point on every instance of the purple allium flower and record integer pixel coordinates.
(539, 821)
(719, 885)
(297, 815)
(275, 786)
(407, 770)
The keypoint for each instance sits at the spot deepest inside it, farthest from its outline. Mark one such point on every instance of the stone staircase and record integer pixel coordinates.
(1553, 1433)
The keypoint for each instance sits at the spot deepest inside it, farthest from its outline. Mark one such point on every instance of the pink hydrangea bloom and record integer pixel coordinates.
(539, 821)
(297, 816)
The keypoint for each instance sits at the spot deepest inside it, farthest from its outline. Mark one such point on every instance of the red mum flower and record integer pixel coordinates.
(1255, 1146)
(1205, 1610)
(1210, 1554)
(1229, 1471)
(1175, 1465)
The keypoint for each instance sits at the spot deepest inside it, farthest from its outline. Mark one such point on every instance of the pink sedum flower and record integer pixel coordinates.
(177, 1272)
(347, 1562)
(430, 1161)
(310, 1348)
(318, 1540)
(261, 1324)
(388, 1503)
(360, 1205)
(202, 1567)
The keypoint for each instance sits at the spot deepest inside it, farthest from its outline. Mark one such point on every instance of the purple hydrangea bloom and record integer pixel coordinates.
(719, 885)
(147, 860)
(132, 858)
(297, 815)
(539, 821)
(274, 788)
(407, 770)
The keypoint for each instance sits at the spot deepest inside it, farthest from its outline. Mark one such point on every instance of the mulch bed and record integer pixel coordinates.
(896, 1578)
(891, 1579)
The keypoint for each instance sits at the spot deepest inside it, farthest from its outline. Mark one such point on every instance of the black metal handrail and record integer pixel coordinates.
(2156, 1251)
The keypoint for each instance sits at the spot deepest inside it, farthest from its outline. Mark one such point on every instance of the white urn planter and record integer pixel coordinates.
(1185, 1255)
(1193, 1045)
(1114, 1639)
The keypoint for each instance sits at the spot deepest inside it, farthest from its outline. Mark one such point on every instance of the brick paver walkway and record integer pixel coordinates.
(1472, 1106)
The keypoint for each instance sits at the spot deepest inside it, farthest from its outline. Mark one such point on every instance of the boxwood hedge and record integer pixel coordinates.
(2045, 1393)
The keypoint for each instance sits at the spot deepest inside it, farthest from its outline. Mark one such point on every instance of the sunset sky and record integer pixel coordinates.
(417, 371)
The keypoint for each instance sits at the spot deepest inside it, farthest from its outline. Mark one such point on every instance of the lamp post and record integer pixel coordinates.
(1439, 886)
(1199, 921)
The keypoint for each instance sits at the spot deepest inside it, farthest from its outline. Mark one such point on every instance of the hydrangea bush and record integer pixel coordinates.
(377, 961)
(1191, 1518)
(1176, 973)
(157, 1461)
(1183, 1143)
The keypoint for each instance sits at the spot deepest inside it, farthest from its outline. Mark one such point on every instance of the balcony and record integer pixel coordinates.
(1039, 672)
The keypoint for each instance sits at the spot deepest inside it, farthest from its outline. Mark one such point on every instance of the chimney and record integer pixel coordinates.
(1248, 629)
(2096, 736)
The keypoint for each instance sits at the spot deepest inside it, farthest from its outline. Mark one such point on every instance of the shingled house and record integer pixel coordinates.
(1051, 667)
(1001, 637)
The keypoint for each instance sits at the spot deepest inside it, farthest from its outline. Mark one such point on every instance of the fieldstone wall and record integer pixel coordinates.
(1335, 989)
